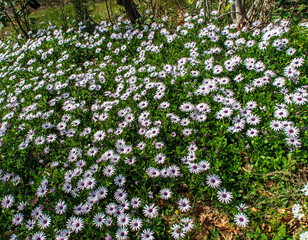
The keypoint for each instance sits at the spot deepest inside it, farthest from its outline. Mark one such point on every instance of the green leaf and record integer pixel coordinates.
(226, 8)
(8, 1)
(19, 12)
(32, 20)
(263, 237)
(16, 3)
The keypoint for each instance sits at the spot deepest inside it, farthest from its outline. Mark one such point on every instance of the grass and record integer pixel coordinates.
(45, 15)
(98, 11)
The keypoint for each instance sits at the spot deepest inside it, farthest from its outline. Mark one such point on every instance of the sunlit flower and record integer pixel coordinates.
(241, 220)
(147, 234)
(121, 234)
(17, 219)
(39, 236)
(60, 207)
(150, 211)
(213, 180)
(184, 204)
(44, 221)
(7, 201)
(136, 224)
(224, 196)
(165, 193)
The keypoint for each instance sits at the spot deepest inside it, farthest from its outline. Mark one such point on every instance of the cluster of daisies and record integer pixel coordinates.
(299, 212)
(102, 131)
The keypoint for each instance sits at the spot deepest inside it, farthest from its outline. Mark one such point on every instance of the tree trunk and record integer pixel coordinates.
(17, 19)
(207, 8)
(80, 10)
(219, 7)
(238, 8)
(34, 4)
(131, 9)
(233, 12)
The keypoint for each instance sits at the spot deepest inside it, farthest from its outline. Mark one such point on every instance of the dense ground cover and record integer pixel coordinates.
(128, 133)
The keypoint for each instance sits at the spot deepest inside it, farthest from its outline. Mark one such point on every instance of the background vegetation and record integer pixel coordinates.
(275, 177)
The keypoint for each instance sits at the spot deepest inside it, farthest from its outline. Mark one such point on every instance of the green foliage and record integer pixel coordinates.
(20, 19)
(247, 165)
(296, 10)
(190, 2)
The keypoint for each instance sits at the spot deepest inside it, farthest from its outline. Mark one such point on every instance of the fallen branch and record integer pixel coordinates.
(231, 13)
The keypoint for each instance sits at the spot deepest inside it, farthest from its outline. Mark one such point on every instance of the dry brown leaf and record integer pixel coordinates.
(33, 201)
(263, 226)
(226, 235)
(269, 183)
(286, 219)
(268, 194)
(162, 202)
(281, 210)
(253, 209)
(203, 217)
